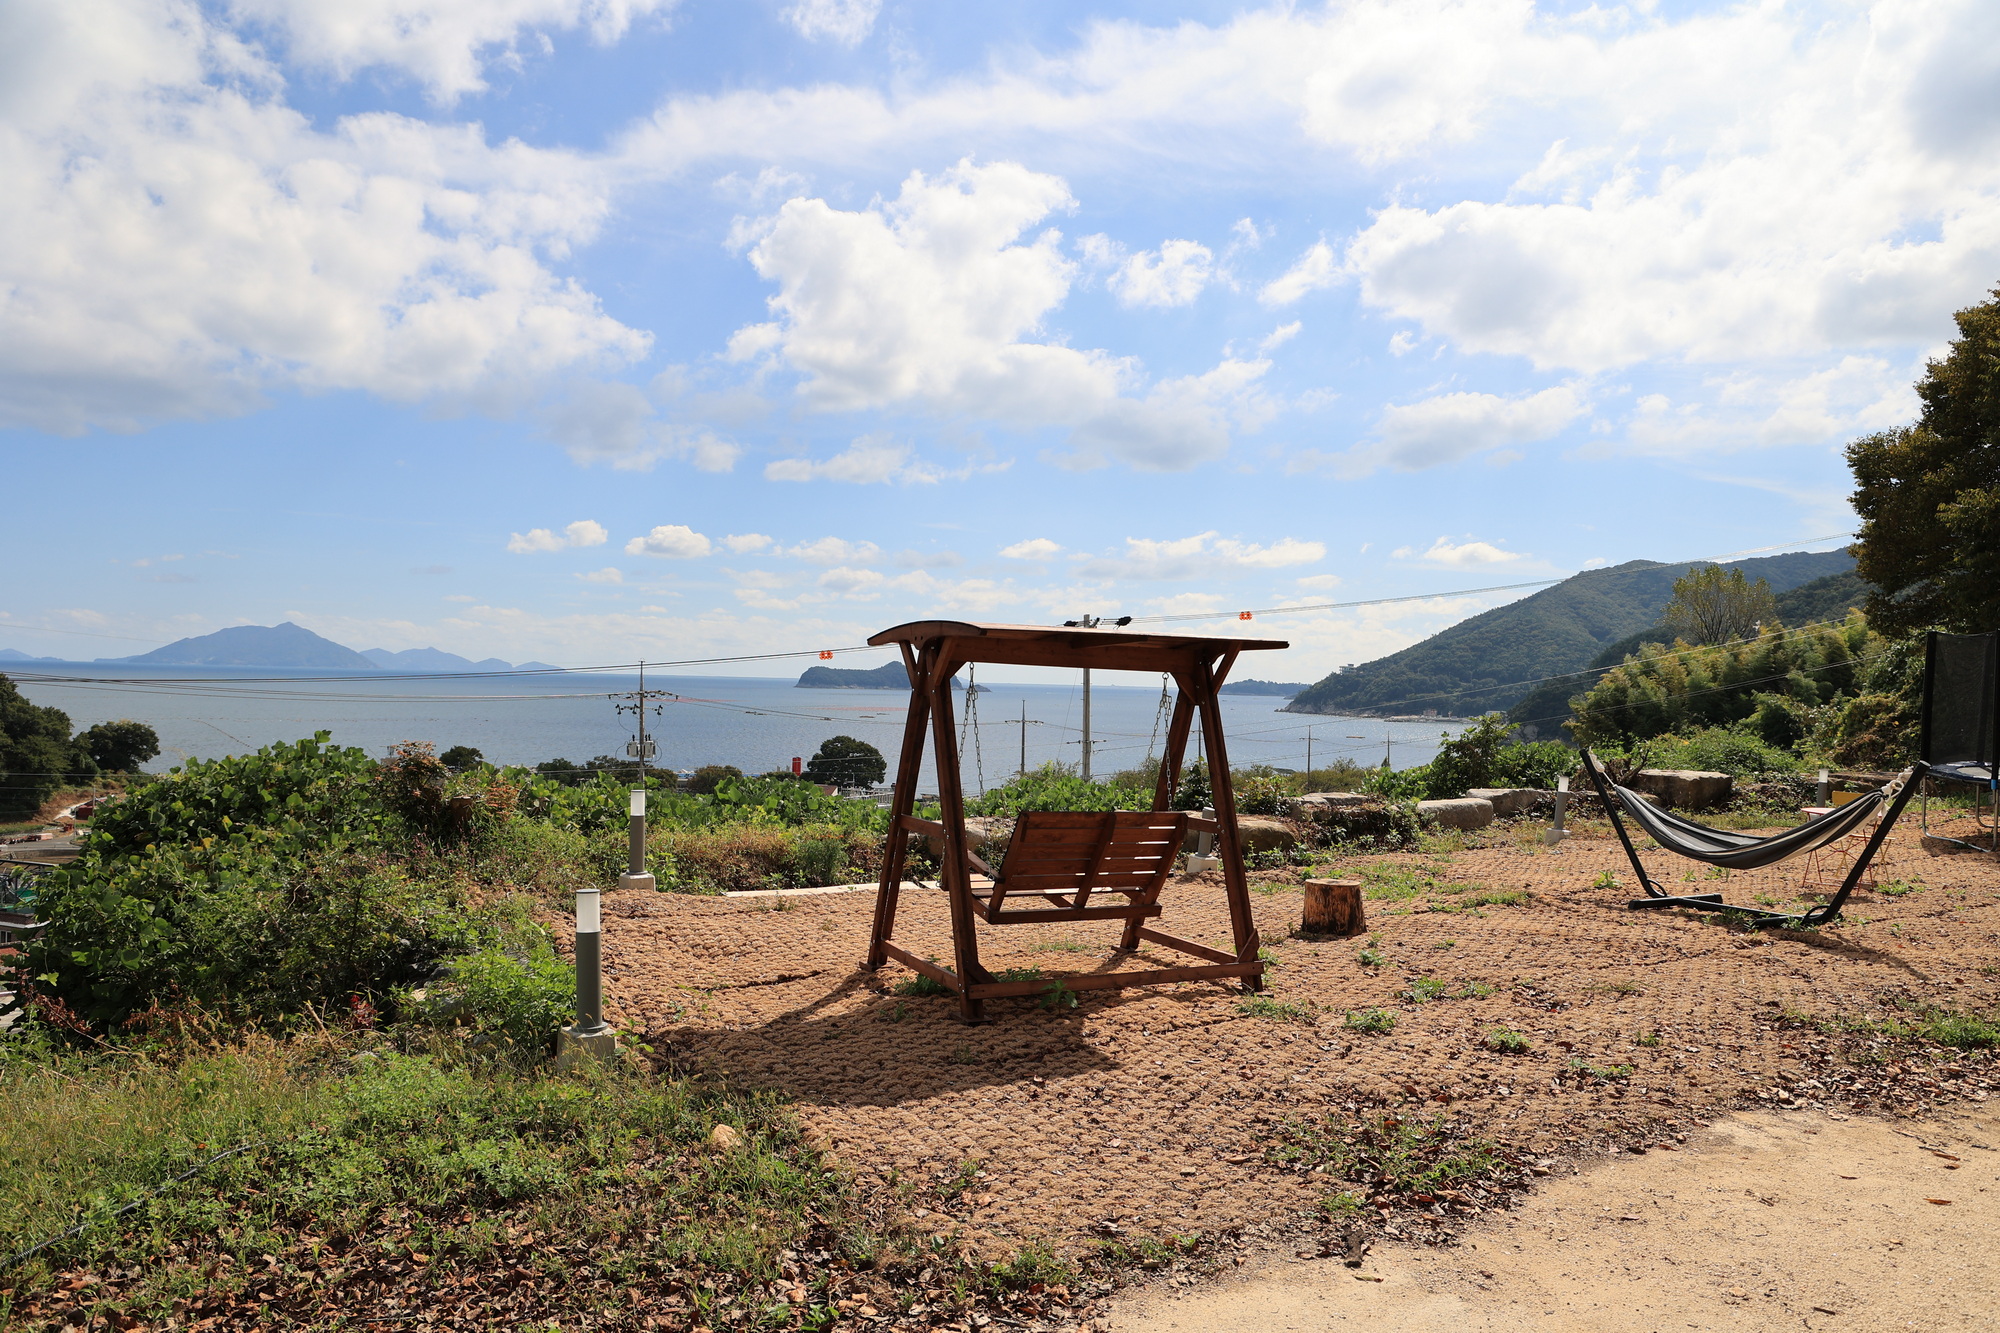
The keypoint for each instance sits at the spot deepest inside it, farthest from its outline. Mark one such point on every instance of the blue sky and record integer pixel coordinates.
(585, 329)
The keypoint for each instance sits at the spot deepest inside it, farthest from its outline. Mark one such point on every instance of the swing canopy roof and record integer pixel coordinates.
(1105, 649)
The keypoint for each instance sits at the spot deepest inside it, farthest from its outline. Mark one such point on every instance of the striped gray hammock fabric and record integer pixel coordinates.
(1740, 851)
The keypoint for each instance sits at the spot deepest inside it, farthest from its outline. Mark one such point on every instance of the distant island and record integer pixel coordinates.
(1285, 689)
(291, 647)
(888, 676)
(286, 645)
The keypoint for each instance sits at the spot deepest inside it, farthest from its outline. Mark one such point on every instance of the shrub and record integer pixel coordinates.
(1054, 787)
(1260, 795)
(1717, 750)
(514, 997)
(240, 929)
(704, 780)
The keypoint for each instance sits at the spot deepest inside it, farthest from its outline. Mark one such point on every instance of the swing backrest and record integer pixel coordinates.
(1056, 853)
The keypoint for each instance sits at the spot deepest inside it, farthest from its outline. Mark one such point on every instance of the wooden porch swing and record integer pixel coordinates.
(1061, 860)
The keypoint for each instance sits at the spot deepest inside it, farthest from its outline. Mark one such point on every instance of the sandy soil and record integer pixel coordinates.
(1766, 1221)
(1150, 1110)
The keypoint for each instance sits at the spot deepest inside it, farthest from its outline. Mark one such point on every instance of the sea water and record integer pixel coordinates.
(755, 723)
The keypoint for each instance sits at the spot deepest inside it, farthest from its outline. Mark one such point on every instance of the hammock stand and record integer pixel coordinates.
(1740, 851)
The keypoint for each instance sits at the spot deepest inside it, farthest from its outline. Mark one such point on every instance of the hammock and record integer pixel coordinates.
(1741, 851)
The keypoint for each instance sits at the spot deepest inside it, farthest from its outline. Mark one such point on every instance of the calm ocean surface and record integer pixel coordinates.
(755, 723)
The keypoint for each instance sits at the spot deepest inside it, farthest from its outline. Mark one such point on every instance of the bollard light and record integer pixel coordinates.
(1824, 796)
(635, 876)
(1555, 832)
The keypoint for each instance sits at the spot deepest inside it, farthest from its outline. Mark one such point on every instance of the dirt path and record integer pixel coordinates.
(1764, 1221)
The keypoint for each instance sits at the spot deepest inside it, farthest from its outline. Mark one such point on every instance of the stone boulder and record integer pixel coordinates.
(979, 831)
(1681, 788)
(1318, 805)
(1508, 801)
(1465, 813)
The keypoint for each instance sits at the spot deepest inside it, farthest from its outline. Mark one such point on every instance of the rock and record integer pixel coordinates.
(1682, 789)
(979, 830)
(1513, 800)
(725, 1139)
(1465, 813)
(1261, 833)
(1317, 805)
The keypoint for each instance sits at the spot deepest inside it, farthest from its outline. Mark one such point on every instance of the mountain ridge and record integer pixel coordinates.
(1492, 660)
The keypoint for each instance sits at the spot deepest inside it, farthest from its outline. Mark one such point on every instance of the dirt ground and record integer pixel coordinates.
(1148, 1112)
(1769, 1220)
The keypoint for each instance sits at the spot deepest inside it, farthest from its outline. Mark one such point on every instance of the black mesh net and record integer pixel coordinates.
(1961, 698)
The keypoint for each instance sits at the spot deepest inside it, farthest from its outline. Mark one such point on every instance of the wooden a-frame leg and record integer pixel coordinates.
(895, 850)
(1229, 838)
(955, 871)
(1169, 779)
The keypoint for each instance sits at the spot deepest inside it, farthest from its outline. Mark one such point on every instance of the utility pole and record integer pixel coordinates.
(1086, 724)
(1024, 738)
(1309, 756)
(1088, 622)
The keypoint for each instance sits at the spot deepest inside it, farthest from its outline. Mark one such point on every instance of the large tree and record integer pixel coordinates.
(120, 747)
(843, 761)
(1716, 605)
(37, 755)
(1929, 494)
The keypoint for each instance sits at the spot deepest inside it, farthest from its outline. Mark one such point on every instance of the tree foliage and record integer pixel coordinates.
(37, 755)
(462, 756)
(1714, 605)
(1929, 494)
(1776, 683)
(122, 746)
(843, 761)
(704, 780)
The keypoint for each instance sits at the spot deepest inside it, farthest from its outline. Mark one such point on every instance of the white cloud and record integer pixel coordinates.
(928, 298)
(673, 541)
(613, 422)
(832, 551)
(1402, 343)
(1679, 234)
(443, 44)
(849, 581)
(1319, 582)
(1180, 422)
(869, 460)
(1279, 336)
(931, 300)
(746, 542)
(1170, 276)
(1449, 427)
(1034, 548)
(609, 574)
(1314, 271)
(844, 22)
(1466, 555)
(1204, 555)
(179, 241)
(583, 532)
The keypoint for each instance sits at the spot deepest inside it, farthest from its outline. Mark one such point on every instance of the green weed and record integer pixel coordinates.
(1263, 1006)
(1378, 1022)
(1508, 1042)
(1395, 1156)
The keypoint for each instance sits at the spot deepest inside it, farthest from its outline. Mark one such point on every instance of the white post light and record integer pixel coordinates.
(635, 876)
(1824, 796)
(589, 1037)
(1555, 832)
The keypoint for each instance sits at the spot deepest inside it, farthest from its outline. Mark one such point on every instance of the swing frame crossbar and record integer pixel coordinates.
(933, 651)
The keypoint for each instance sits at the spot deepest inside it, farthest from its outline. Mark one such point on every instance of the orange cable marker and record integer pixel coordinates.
(826, 654)
(1243, 615)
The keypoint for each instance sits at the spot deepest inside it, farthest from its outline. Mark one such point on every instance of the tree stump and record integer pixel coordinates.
(1333, 907)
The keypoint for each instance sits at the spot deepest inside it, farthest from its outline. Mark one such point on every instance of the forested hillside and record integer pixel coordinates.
(1490, 661)
(1543, 709)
